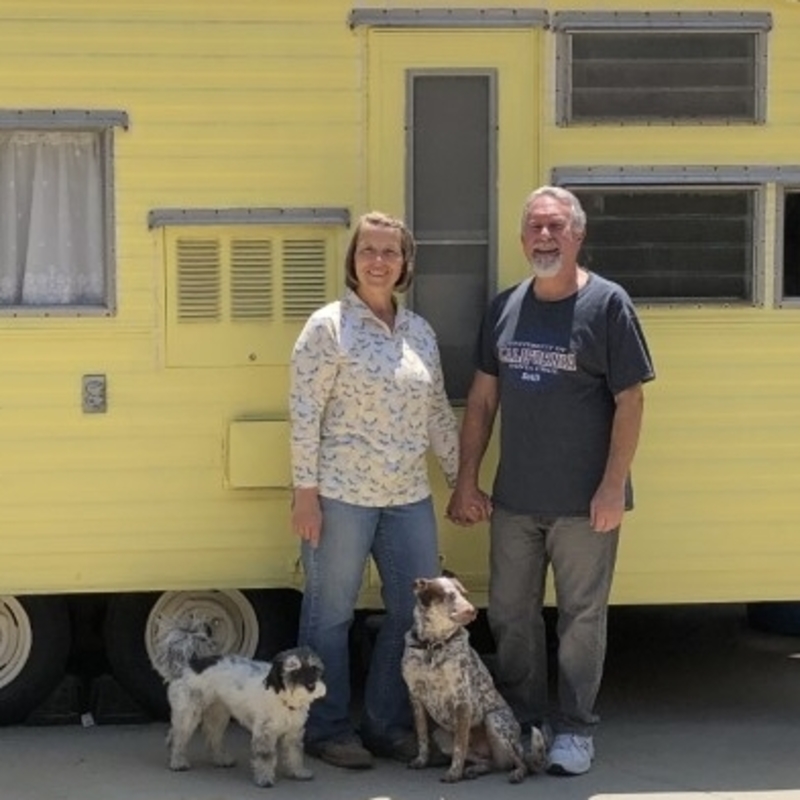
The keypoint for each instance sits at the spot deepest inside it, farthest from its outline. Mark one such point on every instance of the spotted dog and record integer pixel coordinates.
(271, 700)
(449, 683)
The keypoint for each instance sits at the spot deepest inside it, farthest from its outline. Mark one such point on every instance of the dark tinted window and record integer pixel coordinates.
(791, 245)
(662, 76)
(685, 244)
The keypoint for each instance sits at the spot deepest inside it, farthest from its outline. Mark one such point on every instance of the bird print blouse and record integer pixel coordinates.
(367, 403)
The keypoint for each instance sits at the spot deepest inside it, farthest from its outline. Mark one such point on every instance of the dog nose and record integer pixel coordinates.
(465, 615)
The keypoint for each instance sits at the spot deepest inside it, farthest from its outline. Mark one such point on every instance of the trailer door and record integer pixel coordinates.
(452, 147)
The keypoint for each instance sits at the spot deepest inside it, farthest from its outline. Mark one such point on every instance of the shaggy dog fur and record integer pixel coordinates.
(448, 682)
(271, 700)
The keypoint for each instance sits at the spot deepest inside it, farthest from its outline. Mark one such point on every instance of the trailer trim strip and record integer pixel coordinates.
(449, 17)
(161, 217)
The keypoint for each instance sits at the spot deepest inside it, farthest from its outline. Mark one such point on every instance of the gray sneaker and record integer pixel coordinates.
(571, 754)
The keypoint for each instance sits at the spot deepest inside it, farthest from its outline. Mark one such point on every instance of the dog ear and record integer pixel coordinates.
(448, 573)
(274, 679)
(419, 585)
(426, 593)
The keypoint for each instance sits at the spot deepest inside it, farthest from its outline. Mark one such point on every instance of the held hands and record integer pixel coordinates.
(307, 515)
(468, 505)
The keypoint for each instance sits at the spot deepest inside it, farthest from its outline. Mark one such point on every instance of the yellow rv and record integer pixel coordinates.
(177, 185)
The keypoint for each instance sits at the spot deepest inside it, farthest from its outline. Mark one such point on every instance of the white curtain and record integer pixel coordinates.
(51, 219)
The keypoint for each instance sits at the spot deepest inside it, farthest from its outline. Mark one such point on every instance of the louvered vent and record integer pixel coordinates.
(251, 279)
(199, 268)
(303, 277)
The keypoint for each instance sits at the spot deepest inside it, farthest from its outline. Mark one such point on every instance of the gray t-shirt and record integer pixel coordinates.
(559, 365)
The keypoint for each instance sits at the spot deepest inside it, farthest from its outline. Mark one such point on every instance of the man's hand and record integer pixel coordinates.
(607, 508)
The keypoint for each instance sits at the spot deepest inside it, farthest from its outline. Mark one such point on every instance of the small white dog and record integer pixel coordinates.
(271, 700)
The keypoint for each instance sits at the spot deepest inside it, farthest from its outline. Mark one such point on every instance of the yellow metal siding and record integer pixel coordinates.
(719, 464)
(249, 441)
(231, 105)
(280, 104)
(719, 461)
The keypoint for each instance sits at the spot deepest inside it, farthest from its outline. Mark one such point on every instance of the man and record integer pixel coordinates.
(563, 355)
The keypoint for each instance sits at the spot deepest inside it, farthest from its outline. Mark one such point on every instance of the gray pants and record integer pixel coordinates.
(522, 548)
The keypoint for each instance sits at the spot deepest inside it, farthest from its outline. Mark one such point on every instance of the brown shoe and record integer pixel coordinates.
(346, 752)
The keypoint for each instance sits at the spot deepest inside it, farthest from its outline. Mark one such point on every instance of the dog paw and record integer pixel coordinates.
(302, 775)
(264, 781)
(473, 771)
(517, 775)
(418, 763)
(224, 760)
(537, 758)
(179, 763)
(452, 776)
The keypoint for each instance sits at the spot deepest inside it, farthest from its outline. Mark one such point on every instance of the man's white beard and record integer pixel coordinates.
(545, 265)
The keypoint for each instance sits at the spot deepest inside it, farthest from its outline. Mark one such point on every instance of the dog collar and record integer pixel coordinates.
(431, 644)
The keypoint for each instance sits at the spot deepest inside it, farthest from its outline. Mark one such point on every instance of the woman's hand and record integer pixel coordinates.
(307, 515)
(468, 505)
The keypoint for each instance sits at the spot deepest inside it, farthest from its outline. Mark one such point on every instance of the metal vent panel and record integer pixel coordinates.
(251, 279)
(303, 277)
(199, 281)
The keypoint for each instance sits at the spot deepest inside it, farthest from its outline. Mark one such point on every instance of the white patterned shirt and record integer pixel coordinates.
(366, 404)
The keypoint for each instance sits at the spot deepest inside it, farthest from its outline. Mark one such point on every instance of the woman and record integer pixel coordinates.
(367, 402)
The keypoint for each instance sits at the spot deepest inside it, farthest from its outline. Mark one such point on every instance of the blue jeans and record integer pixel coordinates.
(522, 549)
(402, 541)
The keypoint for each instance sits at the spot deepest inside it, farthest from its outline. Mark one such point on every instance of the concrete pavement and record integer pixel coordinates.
(694, 705)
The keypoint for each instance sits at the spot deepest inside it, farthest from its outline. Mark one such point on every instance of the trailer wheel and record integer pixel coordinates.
(252, 623)
(34, 647)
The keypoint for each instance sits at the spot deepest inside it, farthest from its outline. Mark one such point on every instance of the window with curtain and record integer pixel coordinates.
(53, 209)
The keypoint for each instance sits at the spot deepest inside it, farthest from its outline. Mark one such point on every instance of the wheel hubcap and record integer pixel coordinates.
(233, 621)
(16, 639)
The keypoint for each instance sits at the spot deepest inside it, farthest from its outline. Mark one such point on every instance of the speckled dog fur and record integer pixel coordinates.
(449, 683)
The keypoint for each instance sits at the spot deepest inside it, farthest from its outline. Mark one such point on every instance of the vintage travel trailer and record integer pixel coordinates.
(178, 183)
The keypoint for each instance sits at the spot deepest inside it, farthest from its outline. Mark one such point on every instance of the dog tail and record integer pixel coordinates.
(177, 641)
(536, 759)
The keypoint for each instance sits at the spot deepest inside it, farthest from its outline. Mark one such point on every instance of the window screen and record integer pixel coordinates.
(451, 178)
(684, 244)
(661, 76)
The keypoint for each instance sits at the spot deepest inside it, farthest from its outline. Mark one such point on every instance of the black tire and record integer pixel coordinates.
(34, 646)
(775, 617)
(129, 629)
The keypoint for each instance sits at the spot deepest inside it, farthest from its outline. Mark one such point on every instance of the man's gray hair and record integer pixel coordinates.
(578, 215)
